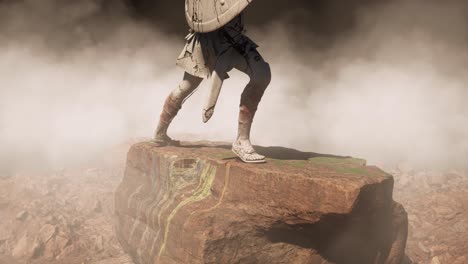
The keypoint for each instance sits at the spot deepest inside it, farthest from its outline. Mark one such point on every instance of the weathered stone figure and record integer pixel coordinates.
(216, 45)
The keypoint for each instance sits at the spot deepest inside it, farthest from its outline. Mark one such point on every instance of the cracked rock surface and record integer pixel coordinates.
(199, 204)
(437, 206)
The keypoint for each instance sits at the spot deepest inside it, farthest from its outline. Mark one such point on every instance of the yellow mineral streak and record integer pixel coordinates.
(132, 199)
(175, 184)
(226, 184)
(172, 187)
(203, 191)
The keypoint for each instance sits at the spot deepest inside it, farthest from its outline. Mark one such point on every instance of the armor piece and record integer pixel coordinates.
(209, 15)
(212, 99)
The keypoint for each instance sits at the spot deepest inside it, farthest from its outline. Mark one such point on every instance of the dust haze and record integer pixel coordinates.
(78, 77)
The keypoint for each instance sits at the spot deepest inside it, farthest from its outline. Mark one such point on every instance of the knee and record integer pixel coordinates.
(261, 76)
(259, 81)
(179, 93)
(185, 88)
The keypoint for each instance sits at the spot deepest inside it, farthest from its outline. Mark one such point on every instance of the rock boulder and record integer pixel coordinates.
(199, 204)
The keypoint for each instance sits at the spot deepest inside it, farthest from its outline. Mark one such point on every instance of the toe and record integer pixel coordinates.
(257, 157)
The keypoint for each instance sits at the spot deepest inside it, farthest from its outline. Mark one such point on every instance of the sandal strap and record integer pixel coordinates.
(243, 150)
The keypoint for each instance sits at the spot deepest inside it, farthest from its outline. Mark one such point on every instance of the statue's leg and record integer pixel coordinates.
(172, 105)
(260, 75)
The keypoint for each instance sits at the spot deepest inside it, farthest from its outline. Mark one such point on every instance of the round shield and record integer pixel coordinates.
(209, 15)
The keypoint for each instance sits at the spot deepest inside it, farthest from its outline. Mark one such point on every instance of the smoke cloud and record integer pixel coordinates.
(78, 77)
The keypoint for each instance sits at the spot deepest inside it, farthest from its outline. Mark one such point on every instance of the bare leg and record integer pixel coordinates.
(260, 76)
(172, 105)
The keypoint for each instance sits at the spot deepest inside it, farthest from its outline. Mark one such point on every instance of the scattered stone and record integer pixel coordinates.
(435, 260)
(436, 204)
(461, 260)
(113, 249)
(76, 223)
(66, 252)
(120, 260)
(37, 249)
(55, 214)
(438, 249)
(47, 232)
(99, 244)
(50, 249)
(21, 247)
(97, 207)
(21, 216)
(423, 248)
(62, 240)
(56, 245)
(51, 219)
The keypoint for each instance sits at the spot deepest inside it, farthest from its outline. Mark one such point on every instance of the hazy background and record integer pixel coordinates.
(382, 80)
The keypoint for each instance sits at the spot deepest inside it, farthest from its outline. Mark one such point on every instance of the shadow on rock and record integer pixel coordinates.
(272, 152)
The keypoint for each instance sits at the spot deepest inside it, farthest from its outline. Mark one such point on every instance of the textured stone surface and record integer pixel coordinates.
(62, 225)
(199, 204)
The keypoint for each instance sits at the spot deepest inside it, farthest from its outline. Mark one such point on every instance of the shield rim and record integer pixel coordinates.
(212, 25)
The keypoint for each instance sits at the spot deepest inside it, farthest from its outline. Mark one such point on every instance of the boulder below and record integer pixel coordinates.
(199, 204)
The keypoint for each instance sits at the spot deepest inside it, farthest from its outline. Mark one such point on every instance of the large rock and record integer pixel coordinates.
(200, 204)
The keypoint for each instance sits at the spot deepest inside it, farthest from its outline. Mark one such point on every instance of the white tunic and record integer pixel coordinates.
(202, 50)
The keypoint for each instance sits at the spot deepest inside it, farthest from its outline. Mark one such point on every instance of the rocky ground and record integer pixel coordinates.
(61, 216)
(437, 206)
(65, 216)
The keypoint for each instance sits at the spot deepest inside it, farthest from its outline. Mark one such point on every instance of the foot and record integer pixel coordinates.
(164, 140)
(245, 151)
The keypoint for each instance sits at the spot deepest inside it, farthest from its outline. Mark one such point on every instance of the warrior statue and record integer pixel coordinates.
(215, 45)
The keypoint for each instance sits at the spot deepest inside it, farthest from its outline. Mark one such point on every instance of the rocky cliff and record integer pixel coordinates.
(199, 204)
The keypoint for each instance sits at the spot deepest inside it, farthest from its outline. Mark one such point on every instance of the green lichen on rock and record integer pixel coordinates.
(294, 163)
(337, 164)
(224, 155)
(342, 165)
(338, 161)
